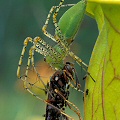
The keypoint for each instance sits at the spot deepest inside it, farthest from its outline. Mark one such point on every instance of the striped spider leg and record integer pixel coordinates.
(42, 48)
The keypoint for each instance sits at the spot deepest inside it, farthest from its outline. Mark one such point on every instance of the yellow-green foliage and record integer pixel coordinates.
(103, 99)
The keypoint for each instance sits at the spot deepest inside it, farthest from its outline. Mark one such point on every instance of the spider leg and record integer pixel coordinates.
(44, 29)
(70, 104)
(26, 41)
(54, 57)
(51, 50)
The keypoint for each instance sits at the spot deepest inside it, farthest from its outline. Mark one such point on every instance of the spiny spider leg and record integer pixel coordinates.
(36, 47)
(49, 49)
(26, 41)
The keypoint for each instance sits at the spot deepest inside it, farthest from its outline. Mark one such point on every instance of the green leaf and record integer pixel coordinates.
(103, 99)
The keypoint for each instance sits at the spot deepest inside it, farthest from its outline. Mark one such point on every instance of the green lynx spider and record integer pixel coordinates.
(54, 55)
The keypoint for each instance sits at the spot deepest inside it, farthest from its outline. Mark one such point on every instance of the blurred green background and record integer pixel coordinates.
(18, 20)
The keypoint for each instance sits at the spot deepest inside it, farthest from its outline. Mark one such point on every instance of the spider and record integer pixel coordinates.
(55, 56)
